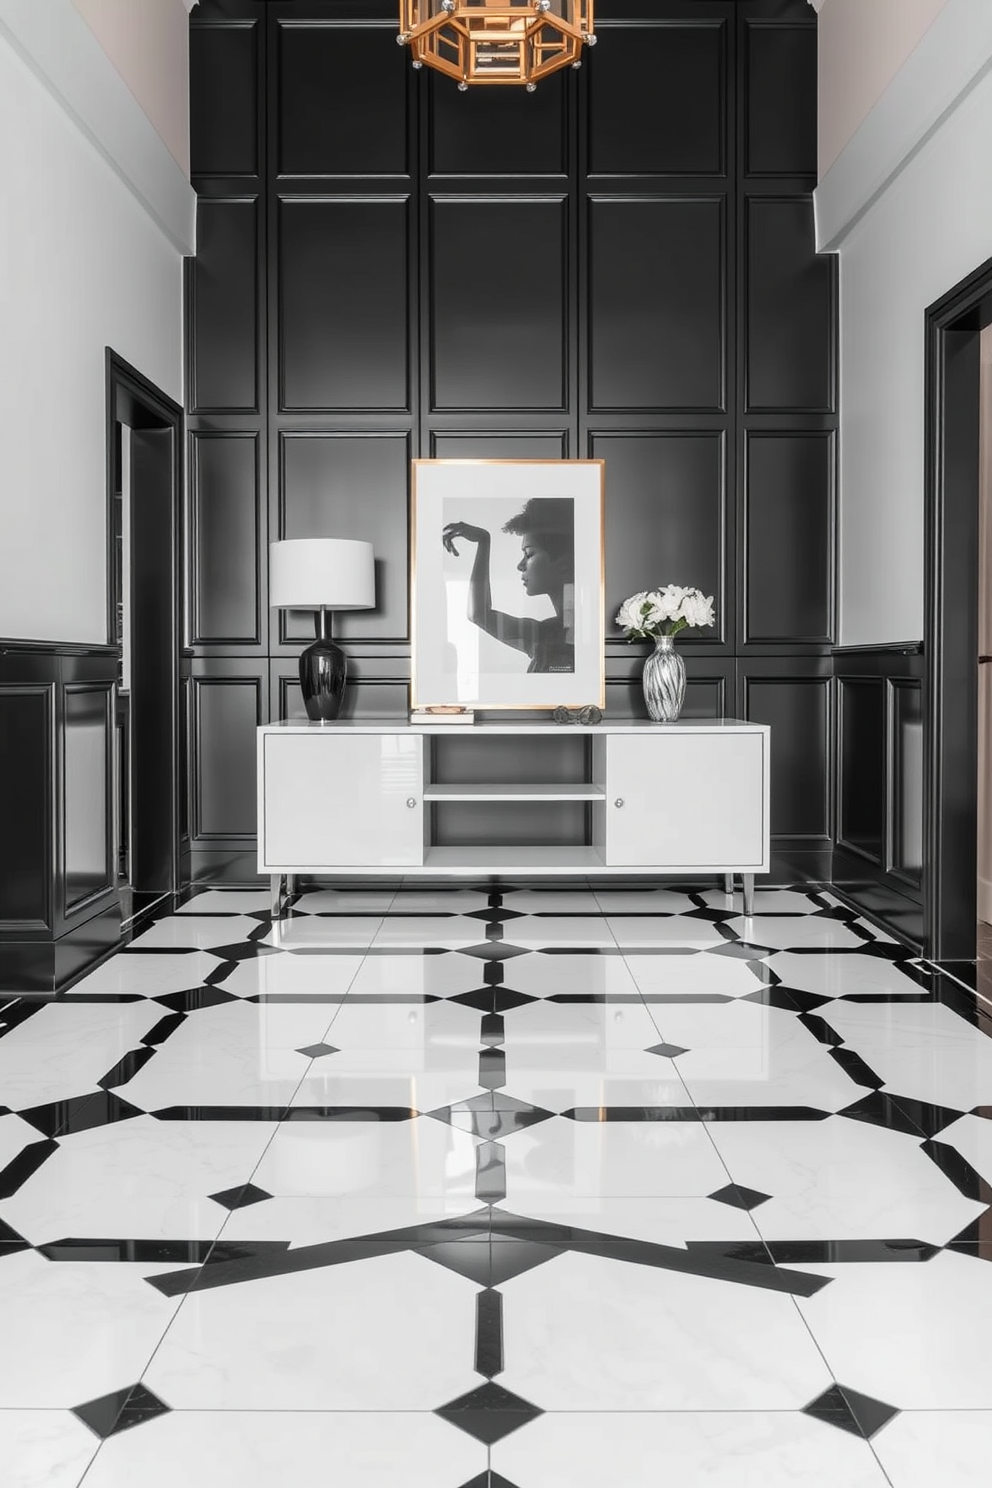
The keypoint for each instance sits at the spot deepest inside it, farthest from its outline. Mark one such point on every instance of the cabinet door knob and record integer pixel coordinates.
(618, 801)
(411, 802)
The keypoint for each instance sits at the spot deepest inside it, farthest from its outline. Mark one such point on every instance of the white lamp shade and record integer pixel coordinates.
(306, 573)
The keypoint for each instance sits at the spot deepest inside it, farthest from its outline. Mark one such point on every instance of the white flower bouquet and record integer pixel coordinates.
(664, 612)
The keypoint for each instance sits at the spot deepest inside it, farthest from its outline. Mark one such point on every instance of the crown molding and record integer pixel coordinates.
(55, 42)
(952, 56)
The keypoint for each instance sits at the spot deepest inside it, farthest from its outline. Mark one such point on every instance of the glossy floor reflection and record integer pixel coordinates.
(537, 1188)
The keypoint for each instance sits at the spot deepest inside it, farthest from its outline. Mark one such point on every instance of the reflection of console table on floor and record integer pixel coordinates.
(513, 800)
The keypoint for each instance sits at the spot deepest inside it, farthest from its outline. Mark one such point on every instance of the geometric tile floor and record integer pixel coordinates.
(455, 1188)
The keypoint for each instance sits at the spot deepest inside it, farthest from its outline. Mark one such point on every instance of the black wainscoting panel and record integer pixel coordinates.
(781, 86)
(789, 538)
(343, 303)
(225, 539)
(27, 763)
(223, 99)
(342, 101)
(656, 317)
(355, 486)
(228, 703)
(904, 796)
(790, 309)
(797, 706)
(490, 349)
(497, 131)
(87, 773)
(861, 797)
(665, 517)
(657, 97)
(222, 302)
(545, 446)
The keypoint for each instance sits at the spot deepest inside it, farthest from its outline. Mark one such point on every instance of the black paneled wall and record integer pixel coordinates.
(619, 265)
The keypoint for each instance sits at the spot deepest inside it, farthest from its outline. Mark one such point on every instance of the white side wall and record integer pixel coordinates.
(909, 219)
(82, 266)
(861, 44)
(148, 43)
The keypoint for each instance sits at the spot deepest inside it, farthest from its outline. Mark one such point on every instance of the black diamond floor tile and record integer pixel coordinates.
(121, 1409)
(240, 1198)
(851, 1411)
(666, 1051)
(739, 1197)
(489, 1412)
(317, 1051)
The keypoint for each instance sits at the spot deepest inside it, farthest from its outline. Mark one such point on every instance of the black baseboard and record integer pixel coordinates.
(895, 913)
(46, 967)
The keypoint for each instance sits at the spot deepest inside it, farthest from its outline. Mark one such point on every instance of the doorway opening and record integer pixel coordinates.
(144, 464)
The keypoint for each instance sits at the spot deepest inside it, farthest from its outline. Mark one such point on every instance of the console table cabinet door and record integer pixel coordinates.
(685, 800)
(334, 800)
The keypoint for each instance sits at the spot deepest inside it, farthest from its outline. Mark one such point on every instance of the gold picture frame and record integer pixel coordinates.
(506, 584)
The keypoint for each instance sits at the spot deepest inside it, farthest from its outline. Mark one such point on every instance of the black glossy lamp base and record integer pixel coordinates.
(323, 668)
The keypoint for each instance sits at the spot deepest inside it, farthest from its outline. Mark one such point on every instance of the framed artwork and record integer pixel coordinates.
(507, 583)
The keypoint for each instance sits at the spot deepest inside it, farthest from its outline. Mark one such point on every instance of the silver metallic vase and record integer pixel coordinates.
(664, 681)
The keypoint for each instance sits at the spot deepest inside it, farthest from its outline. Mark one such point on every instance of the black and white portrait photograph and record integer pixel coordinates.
(506, 582)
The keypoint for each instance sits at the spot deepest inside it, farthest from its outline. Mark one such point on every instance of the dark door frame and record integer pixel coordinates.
(132, 400)
(950, 691)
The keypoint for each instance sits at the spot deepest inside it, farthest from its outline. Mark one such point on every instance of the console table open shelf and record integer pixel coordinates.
(618, 798)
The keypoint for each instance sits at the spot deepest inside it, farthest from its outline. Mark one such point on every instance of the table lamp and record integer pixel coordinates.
(322, 573)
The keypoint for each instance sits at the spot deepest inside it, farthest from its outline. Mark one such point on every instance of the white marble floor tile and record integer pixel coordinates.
(344, 901)
(150, 975)
(643, 901)
(951, 1447)
(821, 1085)
(972, 1137)
(690, 976)
(370, 1159)
(139, 1179)
(388, 1333)
(315, 1221)
(637, 1159)
(81, 1330)
(234, 1053)
(294, 976)
(447, 900)
(564, 975)
(587, 1333)
(266, 1448)
(584, 1029)
(316, 933)
(841, 1179)
(180, 932)
(871, 1028)
(787, 931)
(845, 975)
(447, 975)
(227, 901)
(660, 1221)
(418, 1080)
(560, 1078)
(693, 1449)
(635, 932)
(539, 931)
(552, 901)
(67, 1047)
(44, 1448)
(15, 1135)
(449, 931)
(730, 1035)
(914, 1336)
(419, 1027)
(766, 901)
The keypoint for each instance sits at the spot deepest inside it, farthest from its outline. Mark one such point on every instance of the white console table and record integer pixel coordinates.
(364, 798)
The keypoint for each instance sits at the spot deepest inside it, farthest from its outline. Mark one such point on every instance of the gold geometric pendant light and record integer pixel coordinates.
(496, 41)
